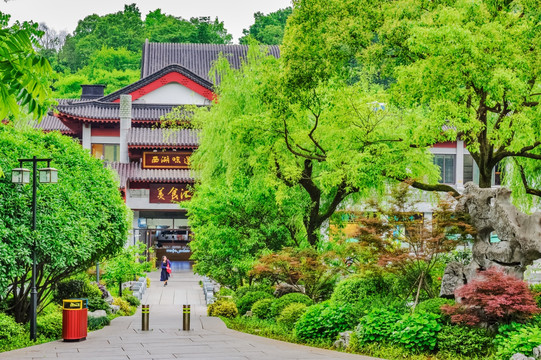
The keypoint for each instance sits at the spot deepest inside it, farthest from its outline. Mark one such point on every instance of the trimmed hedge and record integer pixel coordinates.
(245, 303)
(291, 314)
(282, 302)
(261, 309)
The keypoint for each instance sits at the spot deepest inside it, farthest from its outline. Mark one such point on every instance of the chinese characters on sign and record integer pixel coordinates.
(166, 160)
(169, 193)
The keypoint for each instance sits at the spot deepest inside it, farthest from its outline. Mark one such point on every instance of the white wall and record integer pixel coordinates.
(173, 93)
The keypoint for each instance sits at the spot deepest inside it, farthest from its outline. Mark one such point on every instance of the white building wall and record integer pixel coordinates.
(105, 140)
(173, 93)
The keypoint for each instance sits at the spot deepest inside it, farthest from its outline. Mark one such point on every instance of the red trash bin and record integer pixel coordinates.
(74, 319)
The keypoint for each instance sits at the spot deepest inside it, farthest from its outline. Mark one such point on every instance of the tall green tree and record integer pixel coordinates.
(267, 29)
(112, 67)
(473, 67)
(80, 220)
(24, 75)
(335, 140)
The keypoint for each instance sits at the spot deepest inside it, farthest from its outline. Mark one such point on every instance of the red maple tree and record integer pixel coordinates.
(493, 298)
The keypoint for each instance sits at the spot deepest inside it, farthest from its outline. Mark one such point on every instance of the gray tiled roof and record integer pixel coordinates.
(197, 58)
(183, 138)
(134, 172)
(52, 123)
(98, 110)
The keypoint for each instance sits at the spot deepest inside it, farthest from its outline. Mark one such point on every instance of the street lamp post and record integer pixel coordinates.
(22, 176)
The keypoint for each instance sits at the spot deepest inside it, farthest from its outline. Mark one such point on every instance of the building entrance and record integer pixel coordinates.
(173, 243)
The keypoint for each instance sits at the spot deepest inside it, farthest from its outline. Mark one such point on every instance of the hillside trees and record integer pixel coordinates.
(80, 220)
(267, 29)
(107, 49)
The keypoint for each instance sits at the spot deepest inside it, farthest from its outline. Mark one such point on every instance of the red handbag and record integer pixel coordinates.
(168, 269)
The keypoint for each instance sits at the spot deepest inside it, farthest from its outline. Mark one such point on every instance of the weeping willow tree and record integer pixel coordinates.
(273, 167)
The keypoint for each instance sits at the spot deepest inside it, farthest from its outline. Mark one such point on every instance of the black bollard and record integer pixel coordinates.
(145, 312)
(186, 317)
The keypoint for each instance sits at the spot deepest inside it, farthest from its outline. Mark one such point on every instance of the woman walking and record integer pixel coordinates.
(166, 270)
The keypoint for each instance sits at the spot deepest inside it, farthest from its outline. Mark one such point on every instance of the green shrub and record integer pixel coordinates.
(377, 325)
(434, 305)
(281, 303)
(291, 314)
(358, 287)
(124, 306)
(261, 308)
(98, 304)
(245, 303)
(536, 290)
(464, 340)
(252, 288)
(75, 289)
(225, 291)
(132, 300)
(417, 332)
(227, 309)
(9, 328)
(325, 320)
(50, 325)
(520, 341)
(96, 323)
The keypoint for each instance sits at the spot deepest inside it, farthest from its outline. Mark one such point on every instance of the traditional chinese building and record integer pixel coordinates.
(153, 164)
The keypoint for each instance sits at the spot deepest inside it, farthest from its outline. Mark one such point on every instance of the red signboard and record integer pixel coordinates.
(166, 160)
(169, 193)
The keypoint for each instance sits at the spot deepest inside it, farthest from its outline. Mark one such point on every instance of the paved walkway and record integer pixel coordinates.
(208, 339)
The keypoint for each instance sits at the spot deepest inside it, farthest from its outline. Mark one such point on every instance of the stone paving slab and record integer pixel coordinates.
(208, 338)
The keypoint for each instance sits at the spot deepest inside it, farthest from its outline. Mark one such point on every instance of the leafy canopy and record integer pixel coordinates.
(473, 67)
(267, 29)
(79, 220)
(24, 75)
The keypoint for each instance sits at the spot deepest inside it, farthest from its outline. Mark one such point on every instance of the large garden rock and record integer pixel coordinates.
(537, 352)
(491, 210)
(105, 294)
(114, 308)
(520, 356)
(343, 341)
(97, 313)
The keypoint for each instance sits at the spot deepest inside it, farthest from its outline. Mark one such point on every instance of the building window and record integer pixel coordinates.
(471, 171)
(497, 177)
(447, 167)
(106, 152)
(468, 168)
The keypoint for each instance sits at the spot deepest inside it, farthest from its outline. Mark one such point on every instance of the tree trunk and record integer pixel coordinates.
(421, 277)
(485, 177)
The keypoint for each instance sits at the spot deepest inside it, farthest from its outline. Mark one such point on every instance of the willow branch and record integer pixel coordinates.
(528, 189)
(427, 187)
(294, 152)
